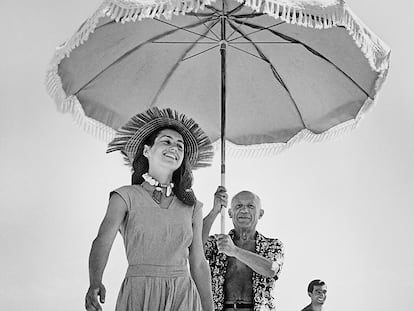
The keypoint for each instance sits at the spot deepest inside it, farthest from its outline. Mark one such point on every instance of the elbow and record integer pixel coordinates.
(273, 270)
(99, 241)
(198, 266)
(198, 263)
(269, 273)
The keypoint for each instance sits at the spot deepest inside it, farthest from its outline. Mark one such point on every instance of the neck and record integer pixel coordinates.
(162, 176)
(316, 307)
(245, 233)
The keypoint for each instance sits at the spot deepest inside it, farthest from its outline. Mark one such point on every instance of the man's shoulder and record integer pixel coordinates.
(273, 241)
(307, 308)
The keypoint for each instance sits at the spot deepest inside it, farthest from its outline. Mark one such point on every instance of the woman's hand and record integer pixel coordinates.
(91, 299)
(220, 199)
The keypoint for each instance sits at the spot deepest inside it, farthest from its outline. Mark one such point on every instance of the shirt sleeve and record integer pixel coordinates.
(211, 249)
(276, 254)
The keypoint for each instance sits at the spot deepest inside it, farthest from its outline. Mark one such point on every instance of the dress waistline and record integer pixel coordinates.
(157, 271)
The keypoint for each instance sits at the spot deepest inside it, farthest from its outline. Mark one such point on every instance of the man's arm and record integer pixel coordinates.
(257, 263)
(220, 200)
(207, 223)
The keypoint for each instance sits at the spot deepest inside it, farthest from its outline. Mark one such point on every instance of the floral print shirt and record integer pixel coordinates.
(262, 286)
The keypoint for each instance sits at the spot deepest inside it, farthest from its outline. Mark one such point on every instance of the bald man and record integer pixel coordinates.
(244, 264)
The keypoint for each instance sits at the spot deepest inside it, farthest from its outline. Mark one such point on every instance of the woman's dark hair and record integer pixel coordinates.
(182, 176)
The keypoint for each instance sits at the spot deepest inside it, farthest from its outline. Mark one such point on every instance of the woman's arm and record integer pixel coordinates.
(101, 247)
(200, 271)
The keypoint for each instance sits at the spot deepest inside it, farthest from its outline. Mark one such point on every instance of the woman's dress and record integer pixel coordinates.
(157, 242)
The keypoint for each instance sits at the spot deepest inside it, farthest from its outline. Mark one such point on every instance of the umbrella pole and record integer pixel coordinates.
(223, 47)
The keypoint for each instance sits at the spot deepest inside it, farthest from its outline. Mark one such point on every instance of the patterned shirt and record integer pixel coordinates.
(262, 286)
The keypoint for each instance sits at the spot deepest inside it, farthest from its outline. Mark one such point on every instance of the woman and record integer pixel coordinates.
(158, 217)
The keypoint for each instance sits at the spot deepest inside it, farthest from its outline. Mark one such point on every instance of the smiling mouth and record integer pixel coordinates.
(171, 156)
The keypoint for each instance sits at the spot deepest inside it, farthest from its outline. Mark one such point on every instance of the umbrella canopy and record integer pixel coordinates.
(294, 70)
(260, 74)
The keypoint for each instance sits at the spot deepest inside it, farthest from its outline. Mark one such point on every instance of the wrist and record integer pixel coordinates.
(95, 282)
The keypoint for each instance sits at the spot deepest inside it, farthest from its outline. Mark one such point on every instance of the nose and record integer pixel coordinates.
(244, 208)
(174, 147)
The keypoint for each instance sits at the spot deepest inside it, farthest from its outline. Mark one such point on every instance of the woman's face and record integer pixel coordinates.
(167, 150)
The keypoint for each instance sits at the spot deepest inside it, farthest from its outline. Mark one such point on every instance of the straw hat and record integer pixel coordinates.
(130, 138)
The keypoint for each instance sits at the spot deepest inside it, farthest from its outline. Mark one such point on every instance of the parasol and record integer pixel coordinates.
(261, 75)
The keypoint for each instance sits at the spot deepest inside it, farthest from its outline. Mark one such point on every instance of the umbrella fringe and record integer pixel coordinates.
(70, 104)
(126, 11)
(272, 149)
(335, 14)
(374, 49)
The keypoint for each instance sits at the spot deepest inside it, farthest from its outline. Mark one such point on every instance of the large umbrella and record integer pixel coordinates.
(260, 74)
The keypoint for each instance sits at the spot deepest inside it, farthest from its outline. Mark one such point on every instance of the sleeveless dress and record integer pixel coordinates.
(157, 242)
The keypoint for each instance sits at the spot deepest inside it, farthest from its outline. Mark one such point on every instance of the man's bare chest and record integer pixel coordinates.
(236, 267)
(249, 245)
(238, 284)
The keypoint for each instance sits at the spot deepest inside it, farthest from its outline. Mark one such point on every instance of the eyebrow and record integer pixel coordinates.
(165, 135)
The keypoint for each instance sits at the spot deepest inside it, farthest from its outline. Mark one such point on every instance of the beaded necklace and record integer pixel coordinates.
(157, 193)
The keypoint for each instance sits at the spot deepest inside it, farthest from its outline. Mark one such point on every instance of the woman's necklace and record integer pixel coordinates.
(157, 193)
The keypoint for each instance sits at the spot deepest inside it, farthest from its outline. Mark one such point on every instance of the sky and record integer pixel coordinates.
(343, 208)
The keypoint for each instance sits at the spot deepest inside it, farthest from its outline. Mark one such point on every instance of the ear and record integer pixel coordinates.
(230, 213)
(310, 294)
(146, 151)
(261, 213)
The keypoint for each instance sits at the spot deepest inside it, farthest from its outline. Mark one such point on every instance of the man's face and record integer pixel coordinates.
(318, 295)
(245, 210)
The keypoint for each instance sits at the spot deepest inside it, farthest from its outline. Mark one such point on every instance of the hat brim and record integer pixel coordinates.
(131, 137)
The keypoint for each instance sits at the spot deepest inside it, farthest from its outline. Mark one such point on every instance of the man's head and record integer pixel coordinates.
(317, 291)
(245, 210)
